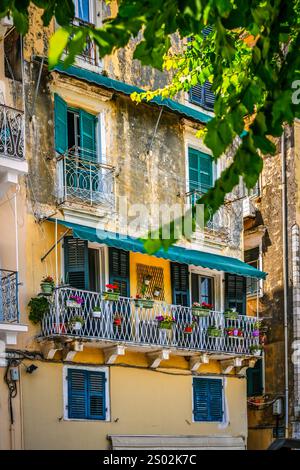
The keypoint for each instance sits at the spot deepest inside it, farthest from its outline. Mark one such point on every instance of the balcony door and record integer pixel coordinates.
(202, 289)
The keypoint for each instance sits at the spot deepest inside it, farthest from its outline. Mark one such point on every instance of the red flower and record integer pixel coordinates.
(112, 286)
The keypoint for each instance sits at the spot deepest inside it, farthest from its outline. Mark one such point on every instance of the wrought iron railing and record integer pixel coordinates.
(11, 133)
(89, 53)
(139, 326)
(82, 179)
(9, 310)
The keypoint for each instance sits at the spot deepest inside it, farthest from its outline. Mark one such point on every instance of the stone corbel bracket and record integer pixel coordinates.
(156, 358)
(111, 354)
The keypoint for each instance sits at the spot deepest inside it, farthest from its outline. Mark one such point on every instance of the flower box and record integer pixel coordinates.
(97, 313)
(73, 304)
(76, 325)
(164, 325)
(188, 330)
(214, 332)
(256, 352)
(110, 295)
(230, 315)
(200, 312)
(60, 328)
(117, 321)
(144, 303)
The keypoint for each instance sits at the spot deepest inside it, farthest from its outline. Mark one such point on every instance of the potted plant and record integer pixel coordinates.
(39, 307)
(143, 302)
(118, 320)
(157, 291)
(231, 314)
(233, 332)
(201, 310)
(97, 312)
(112, 292)
(256, 329)
(188, 329)
(214, 331)
(47, 285)
(147, 279)
(76, 323)
(74, 301)
(165, 321)
(256, 349)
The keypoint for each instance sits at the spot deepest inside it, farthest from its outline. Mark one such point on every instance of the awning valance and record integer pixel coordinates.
(174, 253)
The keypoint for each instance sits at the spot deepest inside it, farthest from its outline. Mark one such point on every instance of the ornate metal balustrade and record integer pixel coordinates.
(89, 53)
(139, 326)
(11, 133)
(82, 179)
(9, 311)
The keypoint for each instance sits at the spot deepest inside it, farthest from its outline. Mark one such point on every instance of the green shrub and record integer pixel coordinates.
(39, 306)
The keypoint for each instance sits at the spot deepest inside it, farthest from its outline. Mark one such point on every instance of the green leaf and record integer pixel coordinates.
(57, 46)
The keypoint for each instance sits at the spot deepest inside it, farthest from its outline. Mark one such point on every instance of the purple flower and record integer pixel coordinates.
(160, 318)
(77, 299)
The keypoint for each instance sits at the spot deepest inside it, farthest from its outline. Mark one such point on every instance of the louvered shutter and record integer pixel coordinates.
(208, 399)
(255, 380)
(235, 293)
(119, 269)
(88, 135)
(252, 257)
(76, 262)
(200, 171)
(202, 96)
(96, 395)
(195, 288)
(180, 284)
(77, 394)
(60, 125)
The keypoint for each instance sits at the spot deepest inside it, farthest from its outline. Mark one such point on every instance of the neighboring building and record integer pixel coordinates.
(116, 378)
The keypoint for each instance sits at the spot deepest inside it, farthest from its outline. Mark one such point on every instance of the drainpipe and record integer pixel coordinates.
(285, 280)
(296, 328)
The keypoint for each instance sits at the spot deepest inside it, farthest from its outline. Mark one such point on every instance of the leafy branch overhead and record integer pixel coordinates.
(251, 57)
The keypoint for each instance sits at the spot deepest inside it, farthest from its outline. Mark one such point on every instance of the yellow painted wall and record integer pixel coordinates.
(138, 258)
(142, 401)
(10, 435)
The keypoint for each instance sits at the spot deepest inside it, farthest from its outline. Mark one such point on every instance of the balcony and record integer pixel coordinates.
(139, 328)
(9, 308)
(12, 153)
(82, 180)
(89, 54)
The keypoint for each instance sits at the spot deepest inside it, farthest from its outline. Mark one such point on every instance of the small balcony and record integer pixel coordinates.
(82, 180)
(89, 53)
(12, 153)
(123, 322)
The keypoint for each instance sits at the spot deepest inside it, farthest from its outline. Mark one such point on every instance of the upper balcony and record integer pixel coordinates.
(82, 180)
(132, 324)
(12, 153)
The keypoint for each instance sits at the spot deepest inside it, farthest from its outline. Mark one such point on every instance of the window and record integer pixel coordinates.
(252, 257)
(235, 293)
(200, 172)
(12, 55)
(208, 400)
(83, 10)
(84, 16)
(180, 284)
(86, 394)
(255, 379)
(202, 289)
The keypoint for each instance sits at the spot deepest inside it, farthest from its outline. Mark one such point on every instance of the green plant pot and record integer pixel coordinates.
(200, 312)
(110, 295)
(165, 326)
(46, 287)
(231, 315)
(144, 303)
(214, 333)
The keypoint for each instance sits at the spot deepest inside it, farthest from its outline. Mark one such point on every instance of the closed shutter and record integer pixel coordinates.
(119, 270)
(208, 399)
(88, 135)
(86, 394)
(195, 288)
(202, 96)
(255, 380)
(200, 171)
(235, 293)
(180, 284)
(76, 262)
(60, 125)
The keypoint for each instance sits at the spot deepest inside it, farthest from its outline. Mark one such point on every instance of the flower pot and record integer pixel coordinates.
(97, 314)
(117, 321)
(188, 330)
(144, 303)
(214, 333)
(110, 295)
(47, 287)
(156, 293)
(59, 328)
(200, 312)
(255, 333)
(147, 282)
(231, 315)
(73, 304)
(256, 352)
(164, 326)
(76, 325)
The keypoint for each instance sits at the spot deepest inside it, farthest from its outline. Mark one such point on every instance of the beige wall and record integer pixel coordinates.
(141, 402)
(10, 435)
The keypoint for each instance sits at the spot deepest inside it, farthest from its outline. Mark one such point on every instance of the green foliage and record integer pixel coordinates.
(251, 57)
(39, 306)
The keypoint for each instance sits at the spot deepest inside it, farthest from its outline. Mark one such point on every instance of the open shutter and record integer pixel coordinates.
(119, 269)
(76, 262)
(255, 380)
(235, 293)
(77, 394)
(208, 399)
(60, 124)
(180, 284)
(88, 135)
(96, 395)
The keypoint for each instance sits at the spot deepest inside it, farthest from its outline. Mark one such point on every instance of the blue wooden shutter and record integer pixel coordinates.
(77, 394)
(60, 124)
(96, 395)
(255, 380)
(119, 269)
(88, 135)
(208, 399)
(235, 293)
(76, 262)
(180, 284)
(200, 171)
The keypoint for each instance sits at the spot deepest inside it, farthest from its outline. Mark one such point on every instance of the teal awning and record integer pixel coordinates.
(174, 253)
(121, 87)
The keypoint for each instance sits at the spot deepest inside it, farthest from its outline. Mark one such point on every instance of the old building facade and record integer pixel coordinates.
(141, 366)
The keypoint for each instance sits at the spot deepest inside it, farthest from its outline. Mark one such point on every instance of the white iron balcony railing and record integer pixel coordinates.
(89, 53)
(139, 326)
(9, 311)
(11, 133)
(82, 179)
